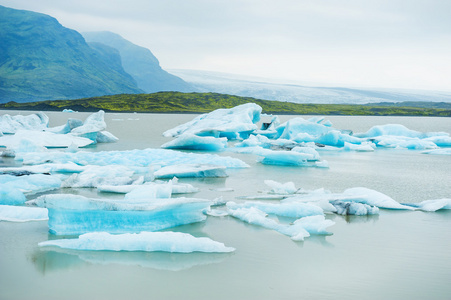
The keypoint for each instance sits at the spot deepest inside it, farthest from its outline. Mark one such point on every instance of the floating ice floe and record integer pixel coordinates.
(299, 230)
(11, 195)
(281, 188)
(191, 170)
(284, 158)
(31, 140)
(432, 205)
(231, 123)
(12, 124)
(72, 214)
(286, 209)
(137, 158)
(144, 241)
(194, 142)
(22, 213)
(30, 184)
(446, 151)
(93, 176)
(176, 188)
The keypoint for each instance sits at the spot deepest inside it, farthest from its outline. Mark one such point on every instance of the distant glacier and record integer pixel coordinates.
(270, 89)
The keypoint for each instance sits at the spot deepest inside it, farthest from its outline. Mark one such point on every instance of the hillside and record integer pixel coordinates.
(140, 63)
(40, 59)
(176, 102)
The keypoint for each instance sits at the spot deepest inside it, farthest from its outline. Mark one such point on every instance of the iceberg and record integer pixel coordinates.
(372, 198)
(299, 230)
(232, 123)
(281, 188)
(30, 184)
(144, 241)
(191, 170)
(93, 176)
(22, 213)
(11, 124)
(194, 142)
(11, 195)
(438, 152)
(176, 188)
(284, 158)
(284, 209)
(72, 214)
(22, 138)
(397, 130)
(131, 158)
(93, 124)
(432, 205)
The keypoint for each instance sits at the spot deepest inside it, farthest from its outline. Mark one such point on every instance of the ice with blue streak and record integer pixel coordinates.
(194, 142)
(72, 214)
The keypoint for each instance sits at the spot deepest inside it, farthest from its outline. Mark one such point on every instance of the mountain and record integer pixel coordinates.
(140, 63)
(206, 81)
(40, 59)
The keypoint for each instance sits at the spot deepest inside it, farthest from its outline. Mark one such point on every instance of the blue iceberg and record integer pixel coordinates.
(286, 209)
(72, 214)
(194, 142)
(176, 242)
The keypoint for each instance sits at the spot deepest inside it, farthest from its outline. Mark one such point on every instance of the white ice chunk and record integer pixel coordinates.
(373, 198)
(12, 124)
(438, 151)
(194, 142)
(281, 188)
(150, 192)
(397, 130)
(284, 209)
(432, 205)
(298, 231)
(94, 176)
(41, 139)
(144, 241)
(191, 170)
(22, 213)
(308, 150)
(228, 123)
(106, 137)
(93, 124)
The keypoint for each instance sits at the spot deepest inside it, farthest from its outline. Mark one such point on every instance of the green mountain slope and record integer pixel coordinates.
(176, 102)
(140, 63)
(40, 59)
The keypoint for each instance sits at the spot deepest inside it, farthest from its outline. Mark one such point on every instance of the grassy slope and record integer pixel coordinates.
(176, 102)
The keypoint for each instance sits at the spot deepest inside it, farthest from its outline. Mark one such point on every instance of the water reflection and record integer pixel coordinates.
(56, 259)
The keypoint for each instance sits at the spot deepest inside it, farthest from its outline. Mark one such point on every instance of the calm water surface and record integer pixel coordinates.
(396, 255)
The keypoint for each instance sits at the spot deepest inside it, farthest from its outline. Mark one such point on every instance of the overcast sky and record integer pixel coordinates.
(367, 43)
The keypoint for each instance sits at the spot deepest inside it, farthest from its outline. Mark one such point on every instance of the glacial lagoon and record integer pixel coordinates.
(395, 254)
